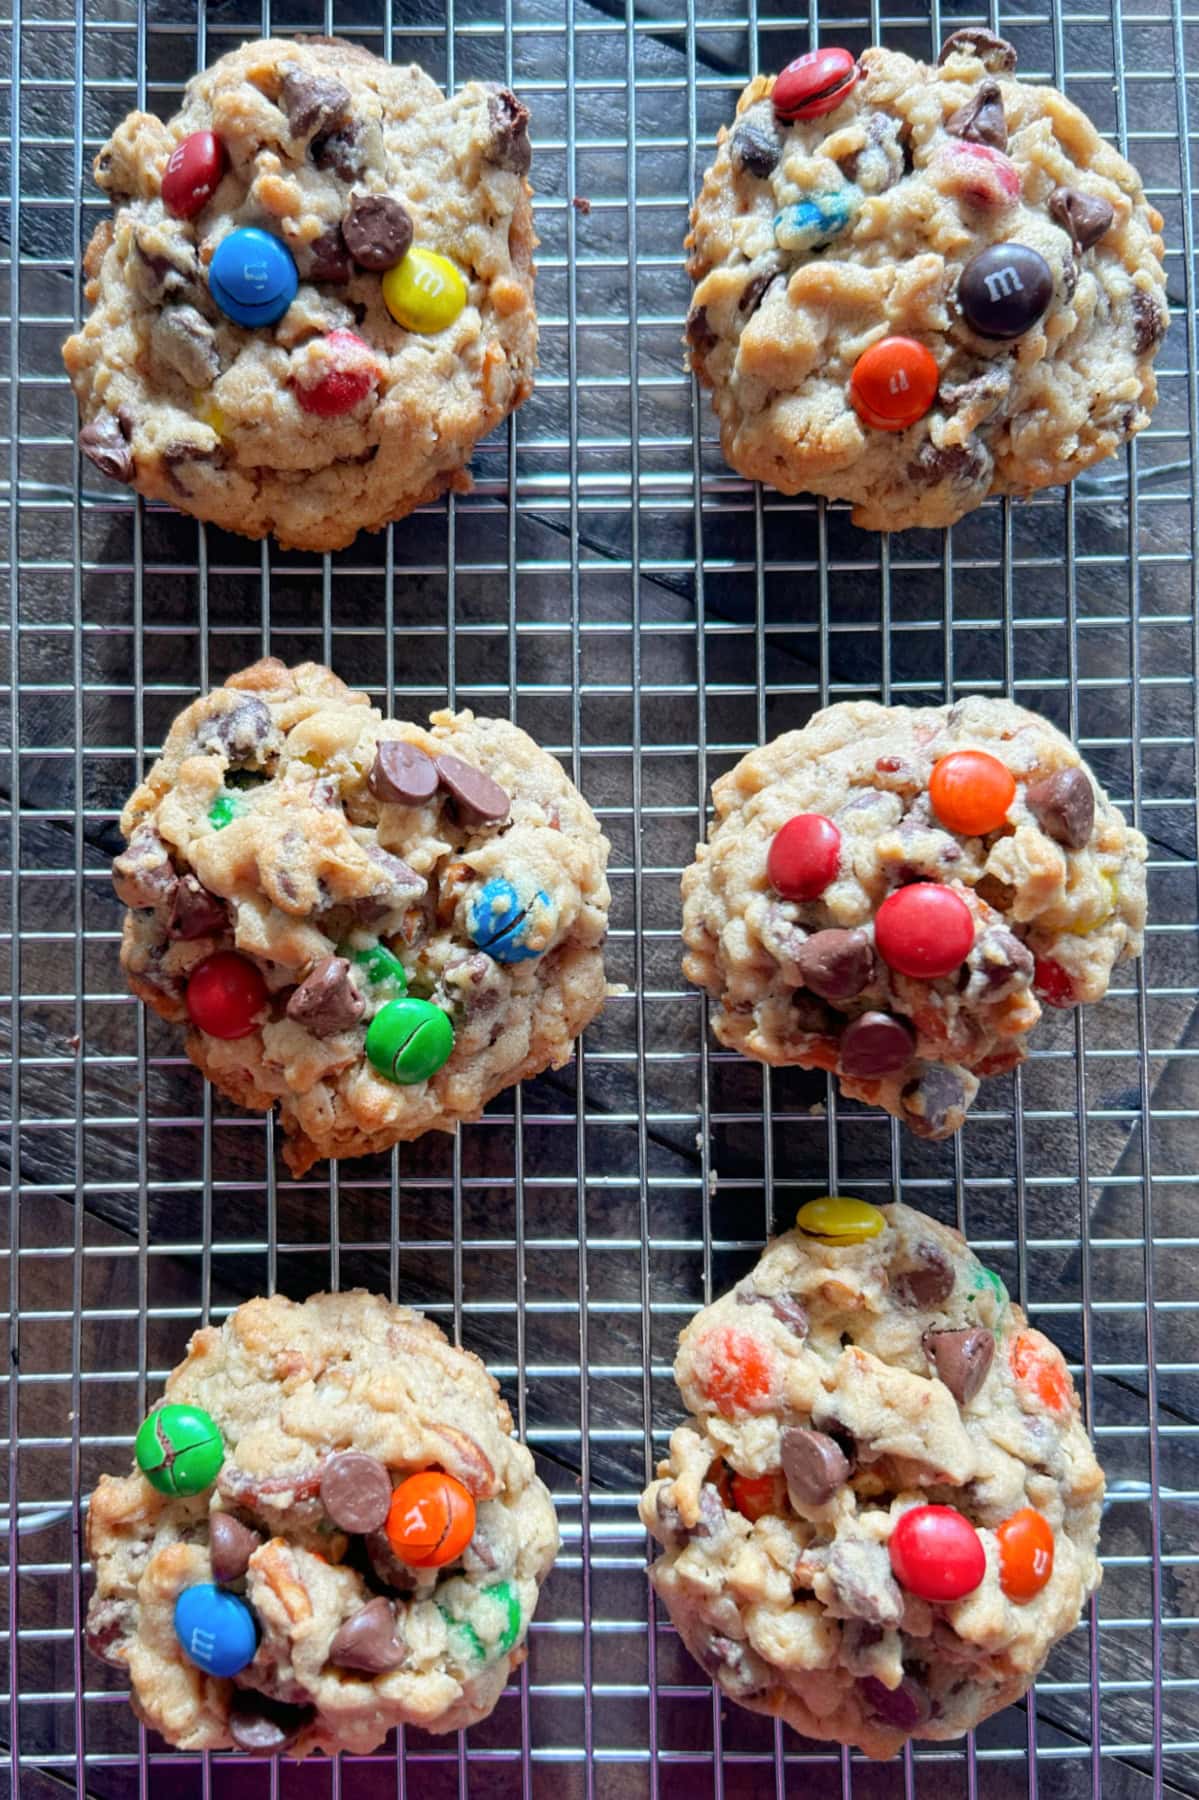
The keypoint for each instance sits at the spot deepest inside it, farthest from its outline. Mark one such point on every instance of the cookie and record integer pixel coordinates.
(891, 893)
(314, 295)
(376, 925)
(884, 1509)
(363, 1548)
(917, 286)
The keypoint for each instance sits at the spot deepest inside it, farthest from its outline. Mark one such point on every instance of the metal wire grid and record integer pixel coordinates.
(649, 617)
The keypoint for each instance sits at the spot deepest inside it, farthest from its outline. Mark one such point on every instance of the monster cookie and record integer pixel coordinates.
(362, 1547)
(890, 893)
(377, 925)
(884, 1509)
(919, 286)
(314, 295)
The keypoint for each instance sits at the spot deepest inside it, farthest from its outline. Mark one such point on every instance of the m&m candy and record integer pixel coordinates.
(252, 277)
(804, 857)
(1025, 1554)
(840, 1219)
(1051, 983)
(937, 1554)
(383, 968)
(977, 175)
(425, 292)
(225, 994)
(408, 1040)
(503, 1595)
(506, 929)
(350, 373)
(431, 1521)
(1003, 291)
(216, 1630)
(1038, 1368)
(738, 1373)
(812, 224)
(179, 1449)
(814, 84)
(193, 174)
(971, 792)
(224, 809)
(925, 931)
(894, 383)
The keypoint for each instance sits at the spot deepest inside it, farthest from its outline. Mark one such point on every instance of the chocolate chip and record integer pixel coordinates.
(929, 1283)
(786, 1309)
(509, 120)
(1083, 217)
(814, 1464)
(995, 53)
(398, 881)
(1149, 322)
(755, 148)
(230, 1546)
(1063, 804)
(987, 390)
(479, 799)
(325, 258)
(905, 1707)
(377, 231)
(142, 874)
(709, 1522)
(756, 289)
(178, 454)
(932, 1101)
(111, 1624)
(1004, 290)
(369, 1640)
(168, 271)
(194, 911)
(402, 774)
(326, 1002)
(264, 1726)
(339, 152)
(875, 1044)
(355, 1490)
(836, 964)
(182, 338)
(313, 103)
(239, 732)
(981, 120)
(997, 963)
(103, 443)
(736, 1668)
(700, 335)
(962, 1359)
(948, 462)
(860, 1571)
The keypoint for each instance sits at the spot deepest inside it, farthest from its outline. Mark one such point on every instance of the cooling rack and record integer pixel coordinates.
(648, 616)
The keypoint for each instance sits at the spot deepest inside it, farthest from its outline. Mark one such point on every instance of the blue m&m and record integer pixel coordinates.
(216, 1629)
(812, 224)
(252, 277)
(506, 927)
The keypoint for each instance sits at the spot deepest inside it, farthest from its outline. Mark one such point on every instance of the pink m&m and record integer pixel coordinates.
(815, 83)
(351, 371)
(925, 930)
(977, 174)
(937, 1554)
(804, 857)
(193, 174)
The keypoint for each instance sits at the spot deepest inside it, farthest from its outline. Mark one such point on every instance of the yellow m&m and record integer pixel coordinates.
(838, 1220)
(424, 292)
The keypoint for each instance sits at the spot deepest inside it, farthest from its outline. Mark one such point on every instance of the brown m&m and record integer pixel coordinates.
(1004, 290)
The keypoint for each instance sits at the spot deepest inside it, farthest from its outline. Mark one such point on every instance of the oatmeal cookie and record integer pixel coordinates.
(917, 286)
(284, 1594)
(884, 1510)
(376, 925)
(890, 893)
(314, 295)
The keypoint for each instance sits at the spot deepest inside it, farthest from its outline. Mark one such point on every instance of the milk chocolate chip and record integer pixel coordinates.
(981, 120)
(929, 1283)
(836, 964)
(962, 1359)
(263, 1726)
(905, 1707)
(377, 231)
(1063, 804)
(355, 1491)
(369, 1640)
(402, 775)
(313, 103)
(815, 1466)
(875, 1044)
(326, 1001)
(1083, 217)
(509, 120)
(786, 1309)
(230, 1546)
(194, 911)
(103, 443)
(995, 53)
(479, 799)
(755, 148)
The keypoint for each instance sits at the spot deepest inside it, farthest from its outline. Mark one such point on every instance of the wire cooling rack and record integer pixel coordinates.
(649, 617)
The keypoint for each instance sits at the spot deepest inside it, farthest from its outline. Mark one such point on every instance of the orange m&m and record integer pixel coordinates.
(1025, 1554)
(736, 1373)
(971, 792)
(1037, 1365)
(431, 1520)
(894, 383)
(755, 1496)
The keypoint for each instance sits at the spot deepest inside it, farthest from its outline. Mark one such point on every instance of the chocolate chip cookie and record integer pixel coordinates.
(362, 1548)
(919, 285)
(375, 925)
(314, 295)
(884, 1509)
(892, 893)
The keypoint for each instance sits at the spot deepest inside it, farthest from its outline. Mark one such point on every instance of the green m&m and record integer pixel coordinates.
(505, 1595)
(383, 969)
(224, 809)
(179, 1449)
(409, 1040)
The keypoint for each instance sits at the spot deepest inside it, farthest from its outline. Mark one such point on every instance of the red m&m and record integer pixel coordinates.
(193, 173)
(1052, 984)
(894, 383)
(351, 373)
(977, 174)
(1025, 1554)
(225, 994)
(925, 930)
(937, 1554)
(815, 83)
(971, 792)
(804, 857)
